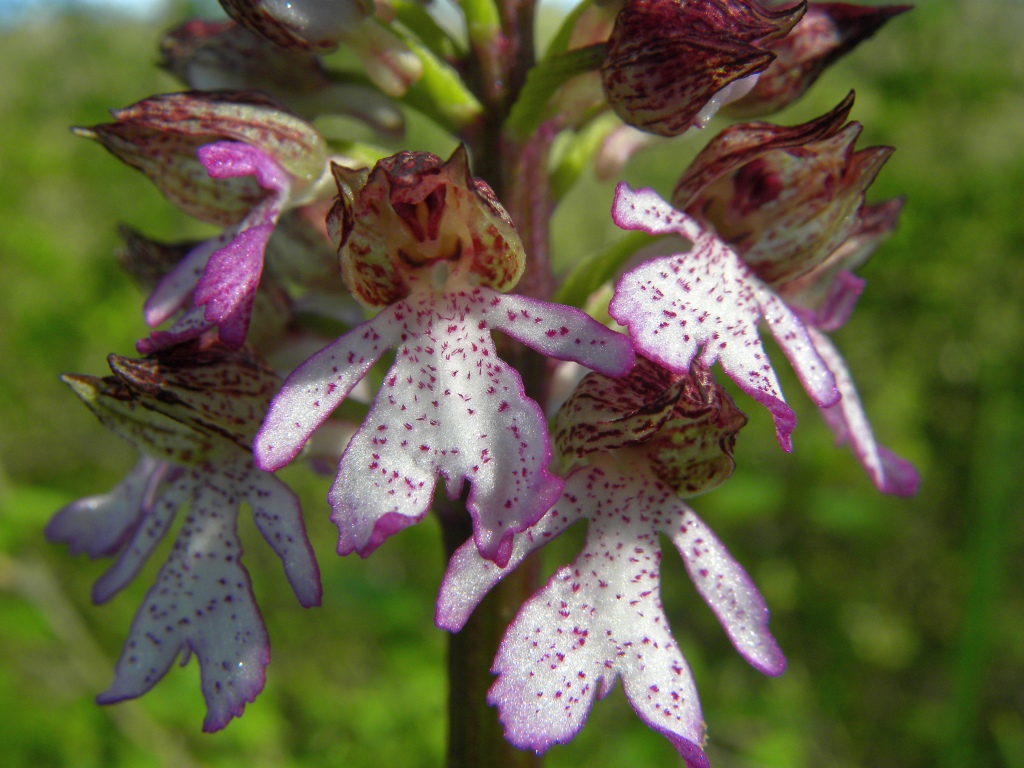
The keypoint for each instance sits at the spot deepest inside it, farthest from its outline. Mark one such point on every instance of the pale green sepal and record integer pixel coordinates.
(560, 42)
(578, 153)
(440, 93)
(544, 80)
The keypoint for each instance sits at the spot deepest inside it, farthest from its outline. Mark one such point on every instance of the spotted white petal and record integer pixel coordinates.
(101, 525)
(469, 577)
(596, 620)
(148, 534)
(202, 600)
(707, 301)
(561, 332)
(728, 591)
(889, 472)
(317, 387)
(450, 406)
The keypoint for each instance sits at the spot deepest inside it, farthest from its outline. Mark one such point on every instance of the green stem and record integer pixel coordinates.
(501, 41)
(997, 457)
(475, 737)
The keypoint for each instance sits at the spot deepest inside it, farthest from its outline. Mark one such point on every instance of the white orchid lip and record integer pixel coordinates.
(705, 305)
(600, 618)
(190, 414)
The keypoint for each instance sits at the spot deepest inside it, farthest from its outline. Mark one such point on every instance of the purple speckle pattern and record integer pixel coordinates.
(889, 472)
(155, 521)
(601, 618)
(223, 273)
(708, 300)
(470, 577)
(202, 600)
(449, 406)
(563, 333)
(100, 525)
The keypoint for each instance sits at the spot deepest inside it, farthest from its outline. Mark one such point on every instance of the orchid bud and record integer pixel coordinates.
(668, 60)
(783, 198)
(308, 25)
(213, 56)
(682, 427)
(161, 137)
(413, 215)
(826, 33)
(320, 25)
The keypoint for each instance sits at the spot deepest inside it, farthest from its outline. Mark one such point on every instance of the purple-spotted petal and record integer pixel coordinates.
(318, 386)
(278, 517)
(708, 300)
(469, 577)
(561, 332)
(847, 420)
(596, 620)
(448, 405)
(100, 525)
(151, 530)
(201, 603)
(729, 592)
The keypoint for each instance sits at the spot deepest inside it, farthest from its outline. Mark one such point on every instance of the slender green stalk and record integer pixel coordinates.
(997, 457)
(501, 41)
(475, 737)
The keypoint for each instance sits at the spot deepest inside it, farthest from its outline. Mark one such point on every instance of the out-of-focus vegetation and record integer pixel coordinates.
(903, 621)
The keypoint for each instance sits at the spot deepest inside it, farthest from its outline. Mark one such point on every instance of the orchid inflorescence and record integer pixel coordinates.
(417, 260)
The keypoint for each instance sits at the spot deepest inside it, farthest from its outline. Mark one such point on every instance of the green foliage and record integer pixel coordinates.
(902, 620)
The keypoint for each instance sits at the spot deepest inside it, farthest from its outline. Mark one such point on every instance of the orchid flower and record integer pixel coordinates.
(266, 162)
(789, 201)
(600, 618)
(190, 412)
(707, 300)
(433, 249)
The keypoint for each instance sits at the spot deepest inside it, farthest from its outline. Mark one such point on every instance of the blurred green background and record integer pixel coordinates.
(903, 621)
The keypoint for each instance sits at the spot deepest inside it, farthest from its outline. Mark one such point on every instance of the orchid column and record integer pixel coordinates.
(416, 261)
